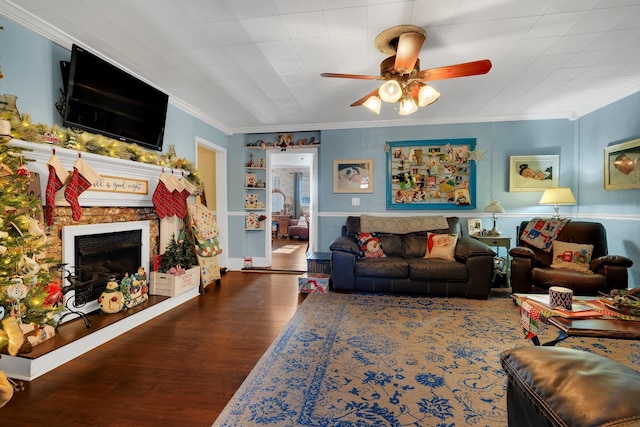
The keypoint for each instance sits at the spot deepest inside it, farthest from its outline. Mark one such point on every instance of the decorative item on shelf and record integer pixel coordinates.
(250, 179)
(557, 196)
(494, 207)
(134, 288)
(261, 163)
(111, 300)
(250, 201)
(251, 221)
(261, 184)
(261, 219)
(250, 162)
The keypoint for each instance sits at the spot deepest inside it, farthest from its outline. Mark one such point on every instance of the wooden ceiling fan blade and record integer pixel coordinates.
(351, 76)
(409, 46)
(454, 71)
(364, 98)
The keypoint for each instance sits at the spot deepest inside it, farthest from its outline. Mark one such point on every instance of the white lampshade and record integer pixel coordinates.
(427, 95)
(390, 91)
(557, 196)
(373, 104)
(408, 106)
(494, 207)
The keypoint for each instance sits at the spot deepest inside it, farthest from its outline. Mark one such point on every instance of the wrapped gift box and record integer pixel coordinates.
(313, 282)
(169, 285)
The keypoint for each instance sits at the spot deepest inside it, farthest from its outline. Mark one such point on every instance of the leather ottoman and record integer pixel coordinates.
(553, 386)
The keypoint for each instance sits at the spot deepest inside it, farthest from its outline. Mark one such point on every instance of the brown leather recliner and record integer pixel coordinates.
(531, 271)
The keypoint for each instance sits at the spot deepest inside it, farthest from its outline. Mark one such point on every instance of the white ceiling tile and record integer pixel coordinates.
(296, 6)
(227, 33)
(555, 25)
(340, 4)
(346, 21)
(243, 9)
(207, 10)
(600, 20)
(279, 50)
(265, 28)
(304, 25)
(572, 43)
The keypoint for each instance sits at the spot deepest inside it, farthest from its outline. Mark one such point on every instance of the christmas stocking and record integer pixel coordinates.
(179, 204)
(57, 177)
(81, 179)
(161, 197)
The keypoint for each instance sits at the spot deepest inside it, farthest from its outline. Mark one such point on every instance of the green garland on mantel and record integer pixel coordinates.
(22, 128)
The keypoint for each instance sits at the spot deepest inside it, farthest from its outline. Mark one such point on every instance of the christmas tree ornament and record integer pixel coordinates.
(57, 177)
(81, 179)
(22, 170)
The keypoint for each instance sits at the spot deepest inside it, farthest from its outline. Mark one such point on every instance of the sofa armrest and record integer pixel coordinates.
(522, 252)
(468, 247)
(345, 244)
(610, 260)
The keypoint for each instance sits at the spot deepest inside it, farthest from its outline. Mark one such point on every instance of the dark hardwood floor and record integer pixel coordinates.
(295, 260)
(179, 369)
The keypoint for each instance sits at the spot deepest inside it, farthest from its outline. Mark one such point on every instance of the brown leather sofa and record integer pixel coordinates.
(405, 270)
(553, 386)
(531, 271)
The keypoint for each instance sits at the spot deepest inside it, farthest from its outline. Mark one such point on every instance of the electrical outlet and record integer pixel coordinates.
(355, 201)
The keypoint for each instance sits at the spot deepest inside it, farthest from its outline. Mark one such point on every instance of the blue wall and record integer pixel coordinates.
(30, 65)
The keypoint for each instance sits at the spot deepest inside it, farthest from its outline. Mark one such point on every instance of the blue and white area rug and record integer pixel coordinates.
(381, 360)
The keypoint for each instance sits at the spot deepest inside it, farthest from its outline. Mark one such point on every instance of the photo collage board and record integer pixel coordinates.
(431, 174)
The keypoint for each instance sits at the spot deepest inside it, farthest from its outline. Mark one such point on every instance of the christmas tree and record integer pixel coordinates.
(29, 295)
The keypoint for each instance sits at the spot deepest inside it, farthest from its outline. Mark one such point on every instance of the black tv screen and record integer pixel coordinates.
(103, 99)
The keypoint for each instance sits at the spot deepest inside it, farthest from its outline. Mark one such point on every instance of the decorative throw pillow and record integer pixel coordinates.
(572, 256)
(370, 246)
(441, 246)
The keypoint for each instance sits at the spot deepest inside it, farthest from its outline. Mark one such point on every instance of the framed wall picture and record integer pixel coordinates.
(475, 226)
(621, 168)
(431, 174)
(533, 173)
(353, 176)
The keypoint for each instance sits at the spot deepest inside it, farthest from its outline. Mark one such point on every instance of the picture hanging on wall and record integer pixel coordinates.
(533, 173)
(431, 174)
(621, 168)
(353, 176)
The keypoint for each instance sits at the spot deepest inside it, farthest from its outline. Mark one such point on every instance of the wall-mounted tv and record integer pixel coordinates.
(103, 99)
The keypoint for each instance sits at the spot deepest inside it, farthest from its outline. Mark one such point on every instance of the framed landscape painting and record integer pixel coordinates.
(533, 173)
(621, 169)
(353, 176)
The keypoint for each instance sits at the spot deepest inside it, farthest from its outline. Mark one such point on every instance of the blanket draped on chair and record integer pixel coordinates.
(541, 232)
(402, 225)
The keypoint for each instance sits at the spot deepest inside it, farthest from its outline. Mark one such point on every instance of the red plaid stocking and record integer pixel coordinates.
(57, 177)
(161, 197)
(179, 203)
(81, 179)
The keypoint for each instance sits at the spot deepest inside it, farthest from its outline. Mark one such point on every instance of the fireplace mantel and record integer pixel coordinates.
(103, 165)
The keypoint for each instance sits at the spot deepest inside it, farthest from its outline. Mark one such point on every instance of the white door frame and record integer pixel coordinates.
(313, 206)
(221, 194)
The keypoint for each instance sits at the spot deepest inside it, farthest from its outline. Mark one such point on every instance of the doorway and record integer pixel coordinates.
(293, 176)
(211, 162)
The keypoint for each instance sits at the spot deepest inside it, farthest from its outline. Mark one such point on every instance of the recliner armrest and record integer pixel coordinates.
(345, 244)
(610, 260)
(522, 252)
(468, 247)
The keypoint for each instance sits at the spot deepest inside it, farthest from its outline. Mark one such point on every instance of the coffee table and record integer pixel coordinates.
(605, 326)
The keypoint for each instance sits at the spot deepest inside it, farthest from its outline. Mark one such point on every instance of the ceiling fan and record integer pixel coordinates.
(403, 80)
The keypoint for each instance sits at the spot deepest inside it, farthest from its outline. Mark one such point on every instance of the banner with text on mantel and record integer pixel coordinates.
(116, 184)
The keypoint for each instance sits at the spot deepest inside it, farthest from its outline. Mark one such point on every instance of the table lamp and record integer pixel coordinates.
(494, 207)
(557, 196)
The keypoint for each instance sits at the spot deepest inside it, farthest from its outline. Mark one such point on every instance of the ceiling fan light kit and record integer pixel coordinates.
(403, 80)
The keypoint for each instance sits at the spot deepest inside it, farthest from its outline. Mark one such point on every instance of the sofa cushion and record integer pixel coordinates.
(414, 245)
(441, 246)
(391, 243)
(370, 246)
(572, 256)
(437, 269)
(590, 284)
(389, 267)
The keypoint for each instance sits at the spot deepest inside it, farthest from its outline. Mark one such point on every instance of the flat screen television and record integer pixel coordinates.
(103, 99)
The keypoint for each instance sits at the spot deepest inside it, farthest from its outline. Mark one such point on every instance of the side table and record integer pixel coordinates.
(499, 242)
